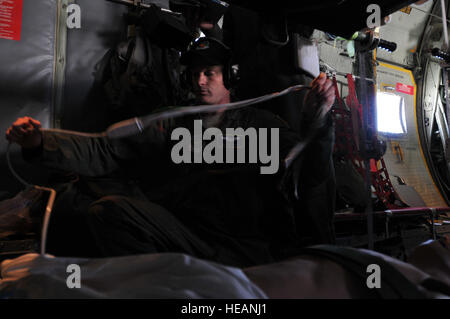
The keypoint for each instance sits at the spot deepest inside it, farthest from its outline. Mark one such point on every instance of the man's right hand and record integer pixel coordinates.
(26, 132)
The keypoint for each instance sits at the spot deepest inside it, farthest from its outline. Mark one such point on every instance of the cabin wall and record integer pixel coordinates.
(405, 29)
(26, 79)
(102, 28)
(50, 73)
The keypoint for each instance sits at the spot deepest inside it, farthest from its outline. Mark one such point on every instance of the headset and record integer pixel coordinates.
(230, 71)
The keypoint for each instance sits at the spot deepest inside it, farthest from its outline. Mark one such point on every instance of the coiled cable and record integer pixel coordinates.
(48, 208)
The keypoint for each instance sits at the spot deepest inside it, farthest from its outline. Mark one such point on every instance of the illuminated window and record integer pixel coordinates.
(390, 113)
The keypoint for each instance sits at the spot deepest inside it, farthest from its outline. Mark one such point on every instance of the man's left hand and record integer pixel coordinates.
(319, 99)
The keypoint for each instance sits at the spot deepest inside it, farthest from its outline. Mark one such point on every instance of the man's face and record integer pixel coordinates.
(208, 85)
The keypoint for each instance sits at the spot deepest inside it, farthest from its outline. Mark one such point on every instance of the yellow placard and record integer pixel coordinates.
(406, 10)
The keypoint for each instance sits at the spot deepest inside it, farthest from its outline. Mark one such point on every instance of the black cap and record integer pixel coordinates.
(206, 52)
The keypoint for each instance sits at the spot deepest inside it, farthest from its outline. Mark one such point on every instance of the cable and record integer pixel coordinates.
(444, 23)
(48, 212)
(429, 14)
(180, 111)
(48, 208)
(138, 124)
(56, 130)
(8, 159)
(300, 146)
(275, 42)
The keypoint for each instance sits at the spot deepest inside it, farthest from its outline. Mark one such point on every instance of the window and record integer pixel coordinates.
(390, 113)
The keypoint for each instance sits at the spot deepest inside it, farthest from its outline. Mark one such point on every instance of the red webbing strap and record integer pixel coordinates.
(336, 92)
(347, 125)
(352, 100)
(383, 186)
(380, 177)
(345, 138)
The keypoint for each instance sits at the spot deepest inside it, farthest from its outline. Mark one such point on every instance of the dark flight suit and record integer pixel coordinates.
(228, 213)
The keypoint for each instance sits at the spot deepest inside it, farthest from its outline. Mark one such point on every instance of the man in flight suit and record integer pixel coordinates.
(228, 213)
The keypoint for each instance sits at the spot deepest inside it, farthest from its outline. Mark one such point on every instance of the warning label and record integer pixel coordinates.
(403, 88)
(10, 19)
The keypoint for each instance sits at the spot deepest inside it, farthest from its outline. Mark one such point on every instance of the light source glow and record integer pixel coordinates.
(390, 113)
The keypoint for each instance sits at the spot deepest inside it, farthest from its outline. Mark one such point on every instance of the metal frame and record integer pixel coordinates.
(60, 61)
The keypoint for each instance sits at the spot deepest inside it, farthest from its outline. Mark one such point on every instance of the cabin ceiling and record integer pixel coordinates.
(340, 17)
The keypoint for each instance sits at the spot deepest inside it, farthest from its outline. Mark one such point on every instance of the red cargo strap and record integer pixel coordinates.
(347, 125)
